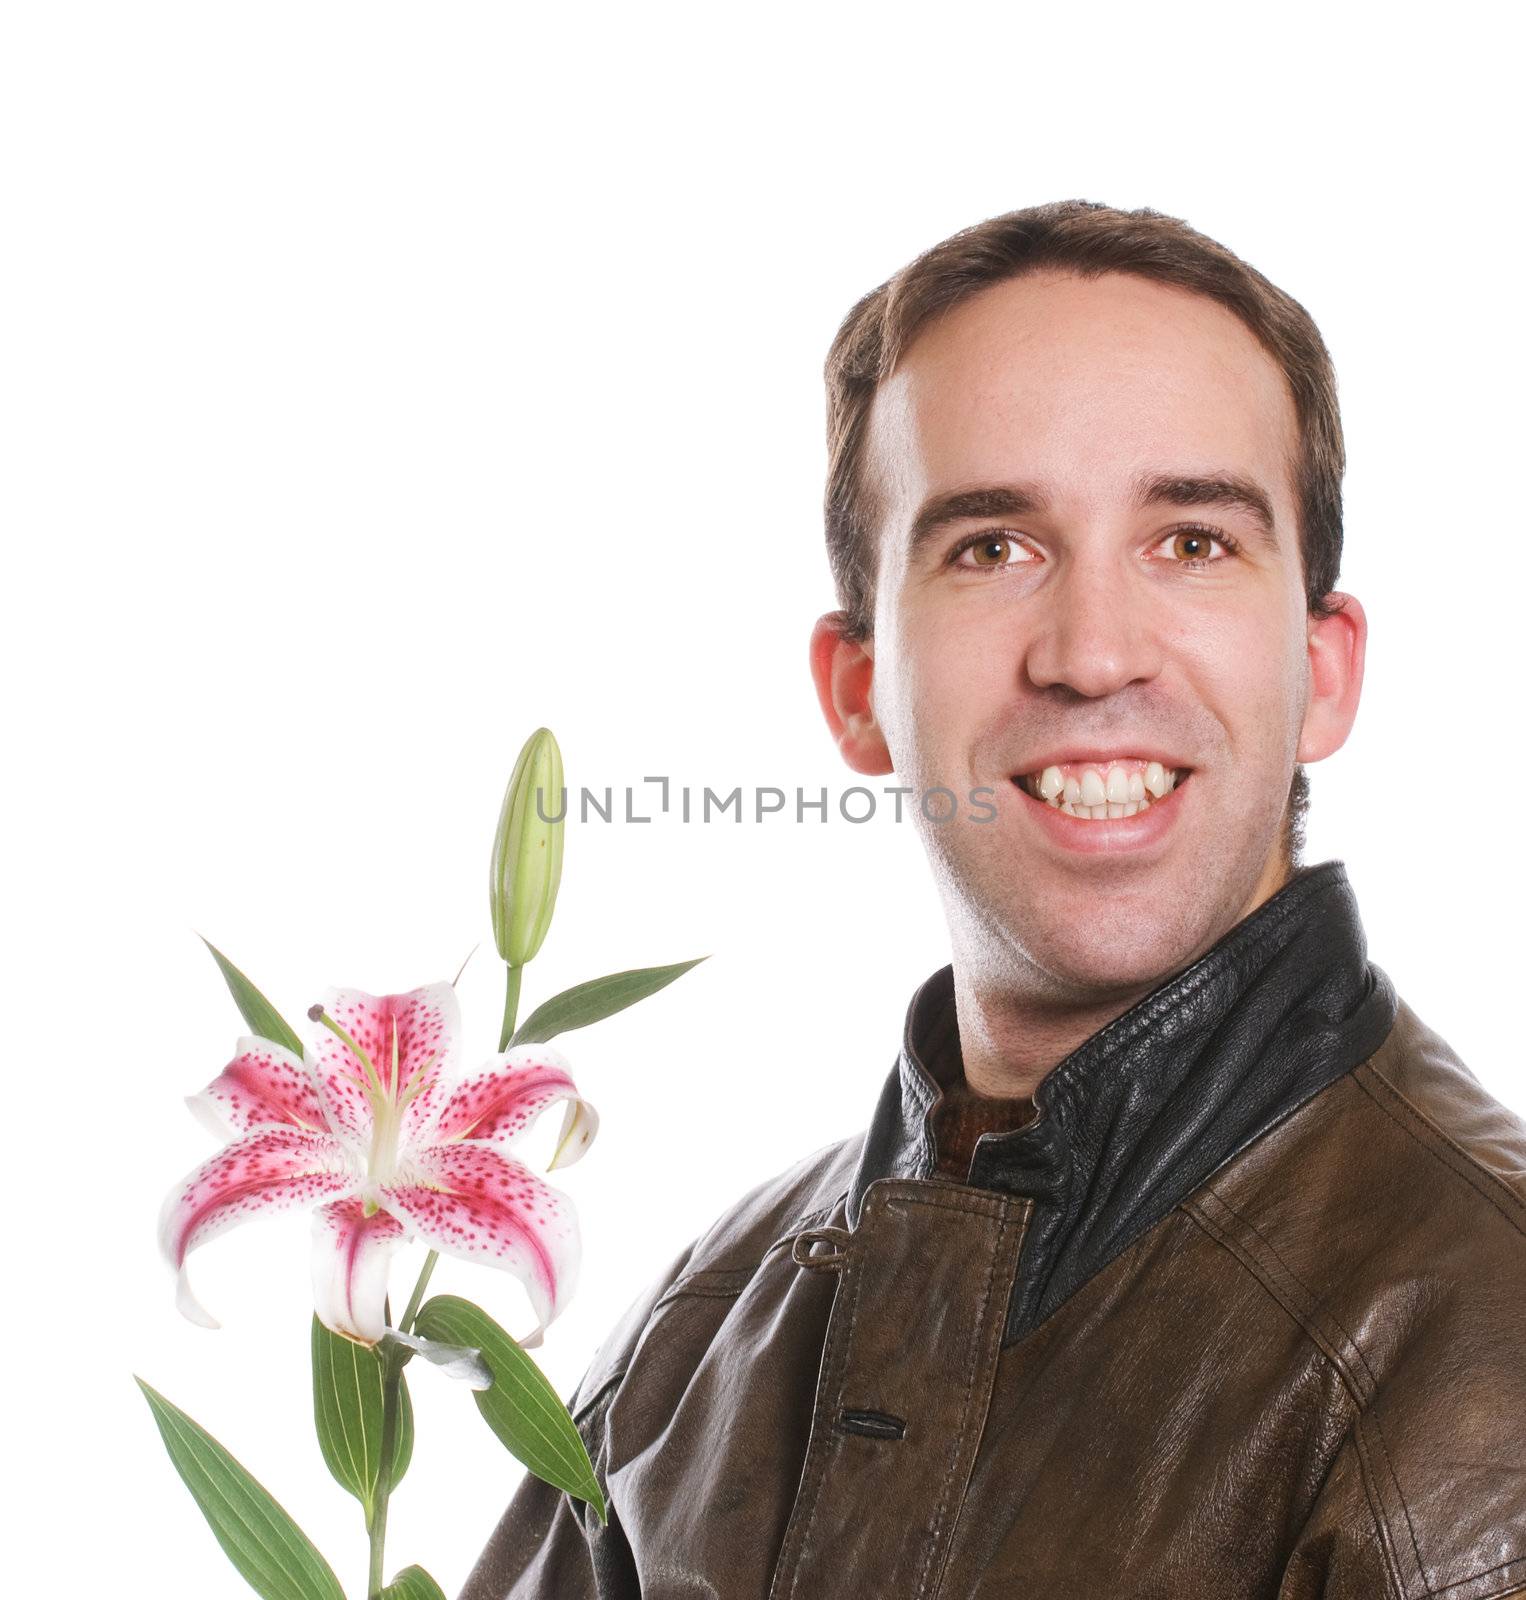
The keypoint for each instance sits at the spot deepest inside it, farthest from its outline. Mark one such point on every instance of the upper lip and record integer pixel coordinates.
(1100, 756)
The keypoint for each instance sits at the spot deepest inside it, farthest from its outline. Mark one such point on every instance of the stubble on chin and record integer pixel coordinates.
(1055, 946)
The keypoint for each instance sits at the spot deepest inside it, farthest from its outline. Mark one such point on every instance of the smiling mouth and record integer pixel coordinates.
(1099, 790)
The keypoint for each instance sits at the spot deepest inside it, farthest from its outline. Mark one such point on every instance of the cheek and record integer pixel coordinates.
(937, 680)
(963, 662)
(1249, 666)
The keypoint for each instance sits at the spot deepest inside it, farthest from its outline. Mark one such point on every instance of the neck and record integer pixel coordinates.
(1010, 1040)
(1017, 1023)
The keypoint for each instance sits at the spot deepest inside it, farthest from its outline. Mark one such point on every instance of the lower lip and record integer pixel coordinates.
(1110, 835)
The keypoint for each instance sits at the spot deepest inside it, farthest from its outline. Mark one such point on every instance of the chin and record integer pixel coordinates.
(1098, 970)
(1131, 953)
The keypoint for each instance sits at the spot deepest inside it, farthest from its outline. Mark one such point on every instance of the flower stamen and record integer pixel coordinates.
(415, 1085)
(318, 1014)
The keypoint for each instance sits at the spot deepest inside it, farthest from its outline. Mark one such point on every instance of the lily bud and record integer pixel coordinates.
(527, 850)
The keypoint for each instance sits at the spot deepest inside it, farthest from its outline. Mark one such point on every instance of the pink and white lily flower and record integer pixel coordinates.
(373, 1127)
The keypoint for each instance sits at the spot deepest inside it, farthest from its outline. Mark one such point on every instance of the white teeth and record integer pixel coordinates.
(1093, 796)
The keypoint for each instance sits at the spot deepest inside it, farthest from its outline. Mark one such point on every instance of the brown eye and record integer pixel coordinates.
(992, 551)
(1192, 545)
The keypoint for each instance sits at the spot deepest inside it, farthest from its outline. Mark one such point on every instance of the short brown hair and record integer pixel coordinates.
(1088, 239)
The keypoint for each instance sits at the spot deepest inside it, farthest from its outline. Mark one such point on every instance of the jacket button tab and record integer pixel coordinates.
(873, 1424)
(803, 1250)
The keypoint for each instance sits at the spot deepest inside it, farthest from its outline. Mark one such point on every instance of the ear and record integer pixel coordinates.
(844, 672)
(1337, 654)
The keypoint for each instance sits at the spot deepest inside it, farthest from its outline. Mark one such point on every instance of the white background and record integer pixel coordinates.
(383, 381)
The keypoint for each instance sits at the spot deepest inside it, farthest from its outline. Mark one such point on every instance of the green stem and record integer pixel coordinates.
(392, 1373)
(510, 1008)
(418, 1291)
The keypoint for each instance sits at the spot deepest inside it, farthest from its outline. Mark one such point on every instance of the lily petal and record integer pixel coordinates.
(273, 1170)
(410, 1039)
(501, 1100)
(473, 1201)
(352, 1254)
(580, 1123)
(264, 1085)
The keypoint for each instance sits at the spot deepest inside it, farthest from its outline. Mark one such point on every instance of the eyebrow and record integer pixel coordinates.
(1224, 489)
(1228, 490)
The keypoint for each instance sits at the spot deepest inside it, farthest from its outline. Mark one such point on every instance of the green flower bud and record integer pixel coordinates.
(527, 850)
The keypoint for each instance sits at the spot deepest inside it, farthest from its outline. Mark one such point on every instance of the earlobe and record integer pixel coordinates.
(1337, 656)
(843, 670)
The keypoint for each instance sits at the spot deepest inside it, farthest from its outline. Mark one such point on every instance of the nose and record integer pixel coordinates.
(1095, 634)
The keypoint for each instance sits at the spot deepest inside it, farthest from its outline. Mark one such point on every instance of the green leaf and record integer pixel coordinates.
(270, 1551)
(413, 1583)
(521, 1408)
(593, 1001)
(263, 1018)
(404, 1451)
(347, 1411)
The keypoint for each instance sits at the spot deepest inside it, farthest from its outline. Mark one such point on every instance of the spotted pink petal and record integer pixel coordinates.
(351, 1257)
(500, 1101)
(264, 1085)
(473, 1201)
(425, 1025)
(275, 1169)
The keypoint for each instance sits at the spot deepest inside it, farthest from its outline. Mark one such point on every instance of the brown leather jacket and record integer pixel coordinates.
(1240, 1312)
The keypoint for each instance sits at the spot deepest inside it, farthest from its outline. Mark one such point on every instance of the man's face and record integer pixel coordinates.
(1115, 595)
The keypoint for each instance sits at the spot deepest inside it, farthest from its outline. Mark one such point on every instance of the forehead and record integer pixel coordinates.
(1080, 384)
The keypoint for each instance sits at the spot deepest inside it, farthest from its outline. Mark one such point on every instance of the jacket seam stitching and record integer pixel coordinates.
(1343, 1365)
(1193, 1210)
(839, 1338)
(1473, 1168)
(977, 1347)
(1366, 1418)
(1393, 1477)
(1473, 1577)
(1373, 1495)
(986, 1203)
(1307, 1292)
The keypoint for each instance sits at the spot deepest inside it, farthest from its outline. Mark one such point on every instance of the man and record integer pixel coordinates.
(1180, 1258)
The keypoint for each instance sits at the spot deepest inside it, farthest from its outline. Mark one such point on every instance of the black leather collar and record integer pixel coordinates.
(1139, 1114)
